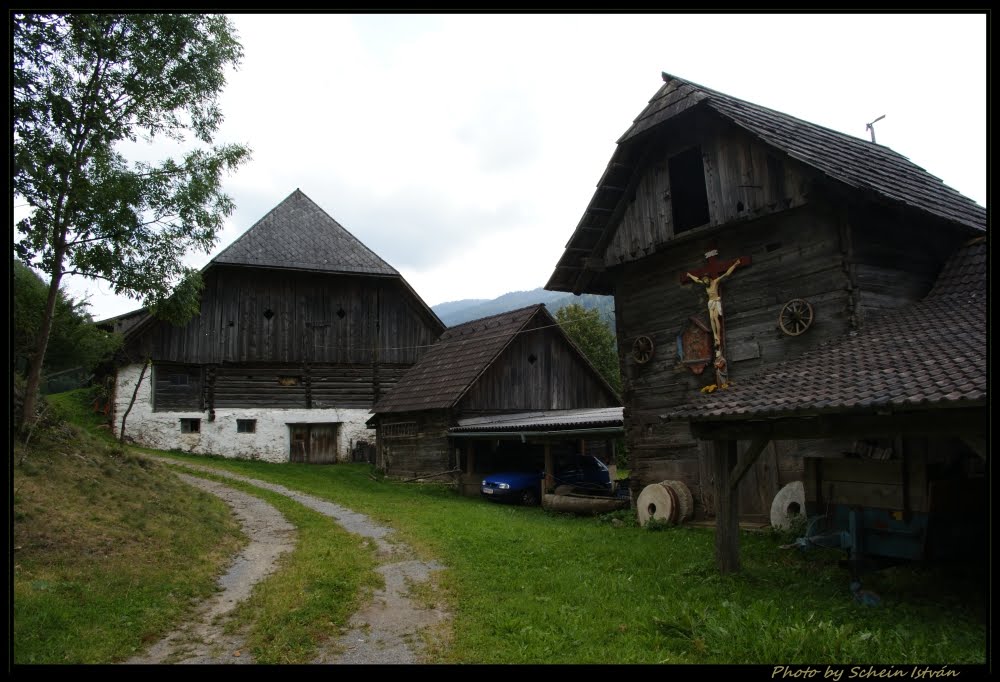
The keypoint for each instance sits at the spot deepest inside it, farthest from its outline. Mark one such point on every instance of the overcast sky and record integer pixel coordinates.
(463, 149)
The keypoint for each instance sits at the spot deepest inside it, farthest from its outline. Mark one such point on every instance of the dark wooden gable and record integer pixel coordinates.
(539, 370)
(751, 156)
(487, 364)
(296, 288)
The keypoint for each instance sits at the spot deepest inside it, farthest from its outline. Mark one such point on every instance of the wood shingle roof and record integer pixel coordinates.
(927, 355)
(455, 361)
(298, 234)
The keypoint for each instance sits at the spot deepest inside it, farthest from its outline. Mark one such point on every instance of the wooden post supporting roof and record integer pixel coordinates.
(727, 522)
(549, 469)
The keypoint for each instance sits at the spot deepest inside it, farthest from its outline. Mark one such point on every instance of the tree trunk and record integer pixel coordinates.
(36, 363)
(121, 434)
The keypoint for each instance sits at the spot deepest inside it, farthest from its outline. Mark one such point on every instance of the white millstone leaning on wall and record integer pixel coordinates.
(270, 442)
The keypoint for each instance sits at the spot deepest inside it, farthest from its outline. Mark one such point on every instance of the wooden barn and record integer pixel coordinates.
(491, 391)
(735, 238)
(302, 329)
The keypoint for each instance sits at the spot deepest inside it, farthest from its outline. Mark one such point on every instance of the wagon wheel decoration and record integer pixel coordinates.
(642, 349)
(796, 317)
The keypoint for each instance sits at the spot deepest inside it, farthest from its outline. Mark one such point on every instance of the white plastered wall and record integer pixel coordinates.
(270, 442)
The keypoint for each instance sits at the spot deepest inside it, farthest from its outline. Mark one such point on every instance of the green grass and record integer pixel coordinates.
(110, 552)
(316, 588)
(526, 586)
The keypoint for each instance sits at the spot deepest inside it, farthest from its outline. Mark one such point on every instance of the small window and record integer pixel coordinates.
(289, 380)
(688, 195)
(178, 379)
(190, 426)
(246, 426)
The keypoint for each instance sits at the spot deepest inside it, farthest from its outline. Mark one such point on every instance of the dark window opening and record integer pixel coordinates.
(246, 426)
(687, 190)
(268, 314)
(739, 206)
(340, 313)
(231, 323)
(178, 379)
(190, 426)
(532, 359)
(289, 381)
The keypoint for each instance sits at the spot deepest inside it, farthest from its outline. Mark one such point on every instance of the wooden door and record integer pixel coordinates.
(313, 443)
(323, 443)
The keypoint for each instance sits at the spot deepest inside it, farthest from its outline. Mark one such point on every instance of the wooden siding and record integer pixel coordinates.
(259, 315)
(743, 178)
(796, 254)
(298, 386)
(895, 259)
(169, 395)
(556, 380)
(423, 453)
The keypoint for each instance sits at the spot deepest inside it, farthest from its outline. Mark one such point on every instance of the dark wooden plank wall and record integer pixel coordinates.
(304, 323)
(315, 386)
(742, 178)
(896, 258)
(556, 380)
(795, 254)
(422, 454)
(167, 396)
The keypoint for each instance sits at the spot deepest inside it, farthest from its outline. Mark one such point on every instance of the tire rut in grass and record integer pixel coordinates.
(389, 628)
(203, 639)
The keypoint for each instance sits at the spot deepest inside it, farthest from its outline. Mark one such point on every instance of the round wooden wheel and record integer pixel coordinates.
(796, 317)
(642, 349)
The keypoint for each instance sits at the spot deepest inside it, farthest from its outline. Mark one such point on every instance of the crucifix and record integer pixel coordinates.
(711, 277)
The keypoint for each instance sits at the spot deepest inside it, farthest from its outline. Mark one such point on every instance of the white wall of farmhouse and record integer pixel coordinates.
(270, 442)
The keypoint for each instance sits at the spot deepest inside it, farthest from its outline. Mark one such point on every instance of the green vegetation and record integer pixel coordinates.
(85, 85)
(110, 552)
(74, 341)
(526, 586)
(595, 338)
(523, 585)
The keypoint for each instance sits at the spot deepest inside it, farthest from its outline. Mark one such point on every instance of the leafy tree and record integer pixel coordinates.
(83, 84)
(74, 341)
(594, 338)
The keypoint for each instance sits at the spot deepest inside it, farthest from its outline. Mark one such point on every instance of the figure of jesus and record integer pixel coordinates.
(715, 299)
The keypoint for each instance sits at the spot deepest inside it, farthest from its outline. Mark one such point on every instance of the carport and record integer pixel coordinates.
(488, 441)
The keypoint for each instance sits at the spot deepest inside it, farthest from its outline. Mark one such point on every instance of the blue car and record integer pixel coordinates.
(524, 487)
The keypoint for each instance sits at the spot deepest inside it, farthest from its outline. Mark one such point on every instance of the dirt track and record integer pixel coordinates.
(388, 630)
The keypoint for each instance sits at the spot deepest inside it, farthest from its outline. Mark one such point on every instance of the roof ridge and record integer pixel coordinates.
(478, 320)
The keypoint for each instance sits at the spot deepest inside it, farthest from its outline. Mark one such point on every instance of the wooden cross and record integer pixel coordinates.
(715, 266)
(710, 276)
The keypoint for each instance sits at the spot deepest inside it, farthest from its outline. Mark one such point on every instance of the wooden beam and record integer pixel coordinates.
(598, 209)
(747, 460)
(727, 521)
(470, 459)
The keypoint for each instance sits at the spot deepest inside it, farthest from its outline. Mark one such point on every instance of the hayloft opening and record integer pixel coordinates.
(689, 198)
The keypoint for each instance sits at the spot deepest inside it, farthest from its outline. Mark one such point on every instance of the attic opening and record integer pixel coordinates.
(687, 190)
(341, 313)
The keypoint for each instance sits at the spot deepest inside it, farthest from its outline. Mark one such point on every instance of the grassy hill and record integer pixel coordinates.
(109, 551)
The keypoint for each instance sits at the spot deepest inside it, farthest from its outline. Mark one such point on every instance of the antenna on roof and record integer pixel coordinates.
(871, 126)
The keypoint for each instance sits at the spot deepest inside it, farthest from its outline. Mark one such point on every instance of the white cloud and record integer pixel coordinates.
(463, 149)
